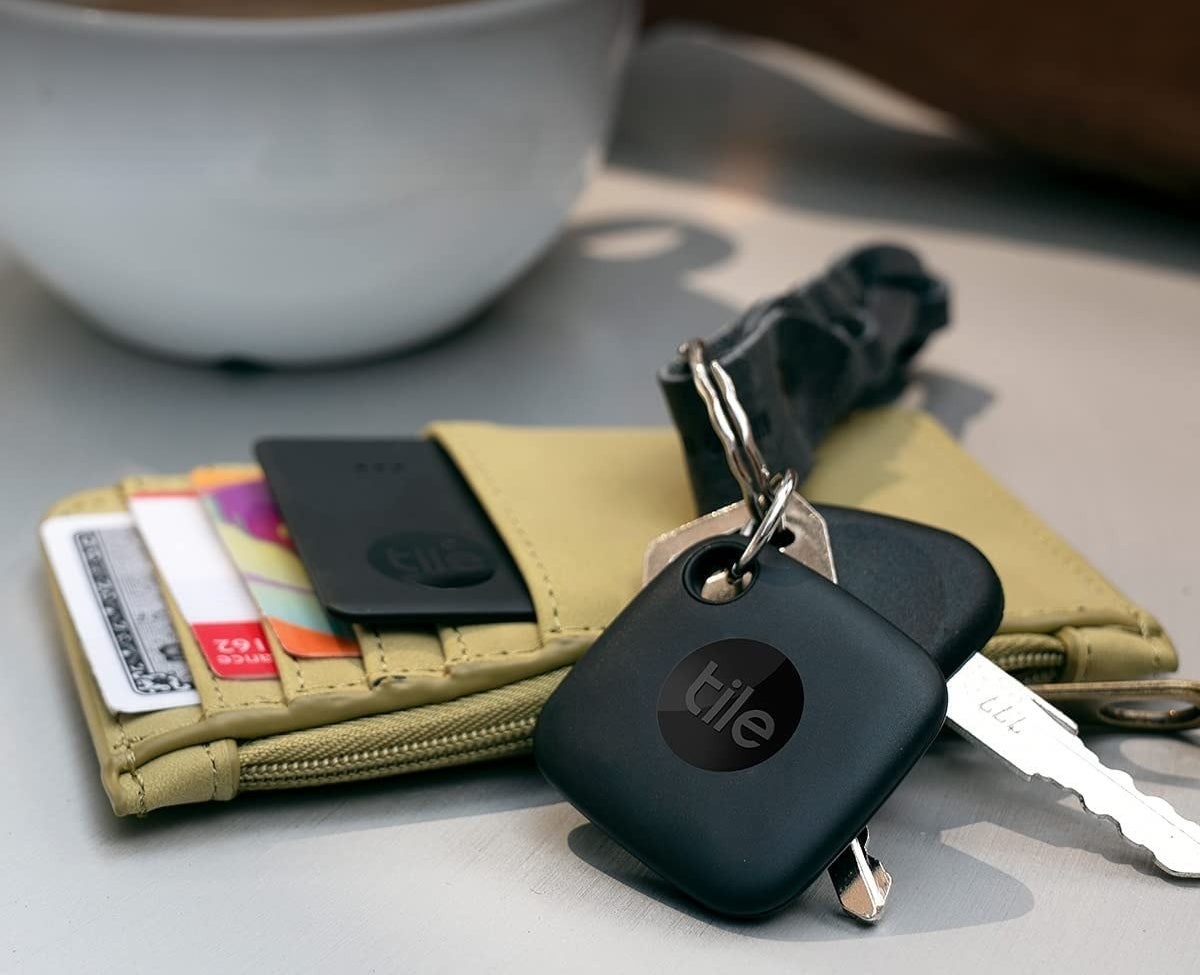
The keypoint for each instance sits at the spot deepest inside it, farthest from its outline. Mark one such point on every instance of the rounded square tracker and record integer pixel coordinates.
(736, 749)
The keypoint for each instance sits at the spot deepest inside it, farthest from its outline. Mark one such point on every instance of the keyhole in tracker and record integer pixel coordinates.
(706, 576)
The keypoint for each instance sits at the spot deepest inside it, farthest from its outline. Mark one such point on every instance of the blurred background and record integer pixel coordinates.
(300, 182)
(227, 219)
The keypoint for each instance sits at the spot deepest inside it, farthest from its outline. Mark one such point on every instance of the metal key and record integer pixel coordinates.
(996, 711)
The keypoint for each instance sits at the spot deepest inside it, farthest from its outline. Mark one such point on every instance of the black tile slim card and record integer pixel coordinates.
(390, 531)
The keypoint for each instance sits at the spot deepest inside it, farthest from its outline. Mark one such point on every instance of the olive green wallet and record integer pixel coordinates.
(576, 508)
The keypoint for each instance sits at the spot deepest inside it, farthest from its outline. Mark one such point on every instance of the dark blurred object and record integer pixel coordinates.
(804, 359)
(1113, 88)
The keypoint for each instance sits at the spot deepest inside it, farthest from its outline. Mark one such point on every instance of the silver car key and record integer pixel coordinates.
(997, 712)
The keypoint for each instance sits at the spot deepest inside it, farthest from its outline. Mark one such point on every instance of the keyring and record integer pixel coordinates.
(766, 526)
(731, 425)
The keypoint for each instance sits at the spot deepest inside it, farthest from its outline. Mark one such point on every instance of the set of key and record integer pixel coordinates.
(739, 723)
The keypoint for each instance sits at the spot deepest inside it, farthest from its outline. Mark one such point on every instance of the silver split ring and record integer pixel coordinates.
(765, 527)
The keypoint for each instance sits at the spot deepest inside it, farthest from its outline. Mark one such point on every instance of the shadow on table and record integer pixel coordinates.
(955, 401)
(606, 306)
(699, 108)
(937, 887)
(1180, 750)
(432, 796)
(445, 794)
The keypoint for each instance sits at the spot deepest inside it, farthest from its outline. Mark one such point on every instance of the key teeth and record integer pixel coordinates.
(991, 708)
(1125, 779)
(1156, 802)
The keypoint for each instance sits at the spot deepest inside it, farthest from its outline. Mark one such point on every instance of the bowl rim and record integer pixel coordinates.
(458, 13)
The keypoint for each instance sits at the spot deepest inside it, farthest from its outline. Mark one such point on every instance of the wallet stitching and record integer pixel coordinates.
(240, 705)
(141, 790)
(299, 674)
(1057, 550)
(525, 539)
(133, 740)
(223, 705)
(304, 690)
(1055, 547)
(462, 643)
(352, 685)
(1155, 645)
(561, 631)
(133, 770)
(216, 687)
(400, 673)
(213, 764)
(383, 666)
(1145, 626)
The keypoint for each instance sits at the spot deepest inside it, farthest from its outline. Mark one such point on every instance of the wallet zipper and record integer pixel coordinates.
(498, 740)
(1030, 666)
(494, 741)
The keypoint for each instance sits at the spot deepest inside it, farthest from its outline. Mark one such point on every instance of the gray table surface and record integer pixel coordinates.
(1070, 372)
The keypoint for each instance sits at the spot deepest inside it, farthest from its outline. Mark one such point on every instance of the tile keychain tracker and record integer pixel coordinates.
(738, 746)
(739, 722)
(736, 726)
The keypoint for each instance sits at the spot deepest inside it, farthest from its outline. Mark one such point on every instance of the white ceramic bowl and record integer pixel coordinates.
(300, 190)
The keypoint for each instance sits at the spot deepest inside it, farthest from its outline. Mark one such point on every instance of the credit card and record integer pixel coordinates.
(107, 582)
(204, 583)
(241, 508)
(390, 532)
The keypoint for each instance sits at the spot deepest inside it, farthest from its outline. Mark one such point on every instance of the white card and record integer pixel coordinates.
(112, 595)
(207, 587)
(203, 580)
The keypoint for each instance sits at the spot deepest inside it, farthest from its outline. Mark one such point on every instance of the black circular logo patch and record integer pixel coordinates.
(428, 559)
(730, 705)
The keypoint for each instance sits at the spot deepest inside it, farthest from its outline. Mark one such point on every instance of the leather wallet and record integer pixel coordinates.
(576, 508)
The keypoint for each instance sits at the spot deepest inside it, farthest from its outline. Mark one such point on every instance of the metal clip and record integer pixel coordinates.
(731, 425)
(767, 495)
(1135, 705)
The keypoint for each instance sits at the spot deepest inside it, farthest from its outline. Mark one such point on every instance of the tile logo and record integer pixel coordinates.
(730, 705)
(428, 559)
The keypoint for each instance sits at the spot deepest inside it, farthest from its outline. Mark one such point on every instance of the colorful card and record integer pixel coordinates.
(107, 581)
(244, 514)
(203, 582)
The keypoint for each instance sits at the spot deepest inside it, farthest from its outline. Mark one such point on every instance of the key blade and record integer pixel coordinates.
(998, 712)
(861, 882)
(1063, 719)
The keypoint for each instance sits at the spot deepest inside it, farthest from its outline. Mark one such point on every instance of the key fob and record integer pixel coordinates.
(935, 586)
(737, 748)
